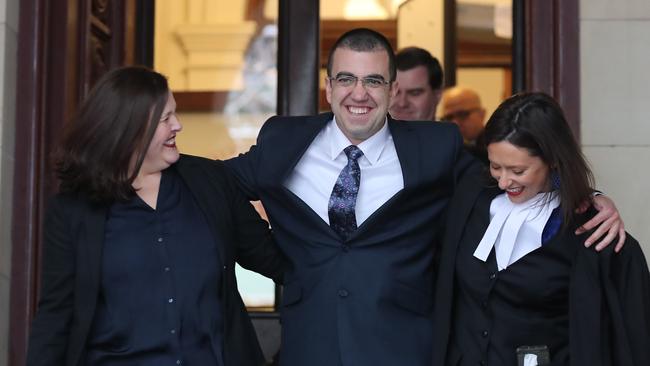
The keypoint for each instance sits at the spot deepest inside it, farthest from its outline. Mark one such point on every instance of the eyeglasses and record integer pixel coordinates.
(369, 82)
(459, 115)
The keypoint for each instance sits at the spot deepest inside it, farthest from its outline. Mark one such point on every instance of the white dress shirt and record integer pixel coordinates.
(313, 178)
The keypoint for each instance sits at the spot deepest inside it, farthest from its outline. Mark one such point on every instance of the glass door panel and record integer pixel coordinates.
(220, 58)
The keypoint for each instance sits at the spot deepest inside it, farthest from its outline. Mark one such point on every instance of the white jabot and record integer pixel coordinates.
(530, 359)
(516, 228)
(313, 178)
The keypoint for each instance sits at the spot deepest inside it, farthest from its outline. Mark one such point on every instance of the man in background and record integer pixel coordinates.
(419, 79)
(462, 106)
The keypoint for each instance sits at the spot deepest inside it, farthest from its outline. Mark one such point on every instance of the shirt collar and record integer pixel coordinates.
(371, 147)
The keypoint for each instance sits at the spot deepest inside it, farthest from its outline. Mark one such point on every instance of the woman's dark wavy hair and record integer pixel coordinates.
(535, 121)
(103, 147)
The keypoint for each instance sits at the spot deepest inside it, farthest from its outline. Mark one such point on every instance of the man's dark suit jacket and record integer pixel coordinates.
(74, 234)
(367, 300)
(609, 293)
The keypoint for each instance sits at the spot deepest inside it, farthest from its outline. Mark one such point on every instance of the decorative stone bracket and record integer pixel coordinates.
(215, 54)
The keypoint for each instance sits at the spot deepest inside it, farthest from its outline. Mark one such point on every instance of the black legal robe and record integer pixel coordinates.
(608, 293)
(525, 304)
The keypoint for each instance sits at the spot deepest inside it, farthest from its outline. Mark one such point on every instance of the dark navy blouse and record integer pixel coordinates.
(160, 301)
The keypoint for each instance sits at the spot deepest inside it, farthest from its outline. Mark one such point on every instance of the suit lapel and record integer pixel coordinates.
(405, 140)
(284, 159)
(298, 139)
(287, 156)
(465, 198)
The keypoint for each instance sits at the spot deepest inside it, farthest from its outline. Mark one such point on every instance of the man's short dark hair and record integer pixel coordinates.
(364, 40)
(412, 57)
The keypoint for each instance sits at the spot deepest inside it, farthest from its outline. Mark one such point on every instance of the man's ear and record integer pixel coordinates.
(394, 86)
(437, 95)
(328, 90)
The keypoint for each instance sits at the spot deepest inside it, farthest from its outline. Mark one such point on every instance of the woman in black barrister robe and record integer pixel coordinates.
(516, 285)
(140, 242)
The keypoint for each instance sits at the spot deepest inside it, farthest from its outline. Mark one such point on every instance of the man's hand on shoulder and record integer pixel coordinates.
(607, 222)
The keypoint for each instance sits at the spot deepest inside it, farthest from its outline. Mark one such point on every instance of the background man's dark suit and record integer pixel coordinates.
(367, 301)
(76, 227)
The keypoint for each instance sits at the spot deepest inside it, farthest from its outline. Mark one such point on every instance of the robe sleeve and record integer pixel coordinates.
(629, 301)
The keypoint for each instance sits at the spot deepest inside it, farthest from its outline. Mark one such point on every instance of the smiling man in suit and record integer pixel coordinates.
(355, 199)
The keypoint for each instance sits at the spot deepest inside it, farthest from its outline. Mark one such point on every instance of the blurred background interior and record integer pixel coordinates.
(234, 63)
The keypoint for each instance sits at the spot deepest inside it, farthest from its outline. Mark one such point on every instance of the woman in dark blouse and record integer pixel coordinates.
(140, 242)
(516, 286)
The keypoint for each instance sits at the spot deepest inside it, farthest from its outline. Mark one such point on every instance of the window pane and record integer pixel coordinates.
(220, 58)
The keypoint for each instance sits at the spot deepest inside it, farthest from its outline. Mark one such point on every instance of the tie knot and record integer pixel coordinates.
(353, 152)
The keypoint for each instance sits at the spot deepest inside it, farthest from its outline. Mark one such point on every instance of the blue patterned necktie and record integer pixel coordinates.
(344, 195)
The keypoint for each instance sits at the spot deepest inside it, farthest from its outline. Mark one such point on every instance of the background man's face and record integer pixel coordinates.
(360, 111)
(466, 111)
(415, 100)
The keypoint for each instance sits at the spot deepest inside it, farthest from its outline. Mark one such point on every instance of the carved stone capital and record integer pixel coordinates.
(215, 53)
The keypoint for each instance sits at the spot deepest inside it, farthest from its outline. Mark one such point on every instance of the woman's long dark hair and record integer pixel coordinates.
(535, 121)
(103, 147)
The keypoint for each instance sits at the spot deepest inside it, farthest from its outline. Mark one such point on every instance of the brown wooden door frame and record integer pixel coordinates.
(46, 54)
(298, 57)
(63, 47)
(53, 52)
(552, 53)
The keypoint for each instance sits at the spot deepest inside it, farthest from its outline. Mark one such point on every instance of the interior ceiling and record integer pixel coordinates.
(476, 21)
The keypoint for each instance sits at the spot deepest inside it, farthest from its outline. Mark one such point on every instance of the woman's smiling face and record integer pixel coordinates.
(519, 174)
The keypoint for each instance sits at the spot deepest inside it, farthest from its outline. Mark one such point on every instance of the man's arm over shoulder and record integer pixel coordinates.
(251, 240)
(281, 138)
(255, 246)
(246, 166)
